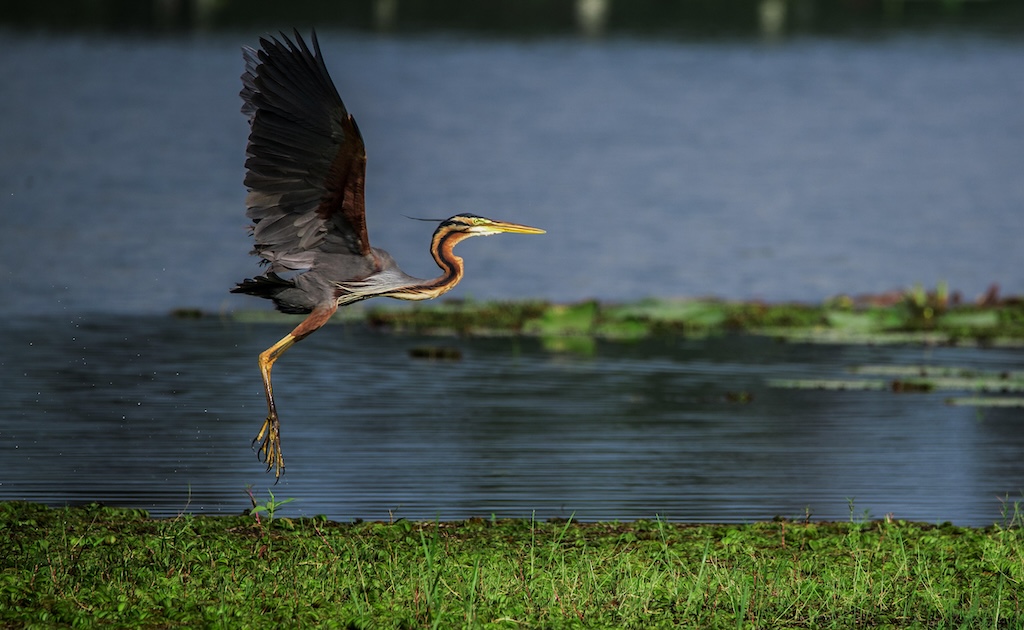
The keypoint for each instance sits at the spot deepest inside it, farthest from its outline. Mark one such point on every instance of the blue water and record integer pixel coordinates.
(792, 171)
(743, 170)
(158, 413)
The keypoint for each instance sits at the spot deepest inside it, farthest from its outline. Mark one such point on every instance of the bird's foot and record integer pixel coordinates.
(270, 446)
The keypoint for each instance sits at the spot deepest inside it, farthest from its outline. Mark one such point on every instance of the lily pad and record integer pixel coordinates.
(563, 320)
(622, 330)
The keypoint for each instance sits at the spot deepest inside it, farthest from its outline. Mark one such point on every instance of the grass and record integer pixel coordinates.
(93, 565)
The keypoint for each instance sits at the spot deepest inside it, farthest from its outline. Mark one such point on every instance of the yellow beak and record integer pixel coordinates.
(514, 228)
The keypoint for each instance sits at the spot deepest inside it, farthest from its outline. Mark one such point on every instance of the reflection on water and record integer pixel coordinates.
(157, 413)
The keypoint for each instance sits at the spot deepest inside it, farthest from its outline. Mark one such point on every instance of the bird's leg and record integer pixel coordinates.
(270, 434)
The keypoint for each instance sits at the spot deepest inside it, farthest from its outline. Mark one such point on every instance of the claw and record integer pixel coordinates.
(270, 446)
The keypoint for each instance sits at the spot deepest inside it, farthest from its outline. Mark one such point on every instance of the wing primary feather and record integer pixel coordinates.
(306, 162)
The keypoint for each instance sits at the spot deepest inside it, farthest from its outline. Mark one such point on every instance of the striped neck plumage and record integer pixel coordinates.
(441, 245)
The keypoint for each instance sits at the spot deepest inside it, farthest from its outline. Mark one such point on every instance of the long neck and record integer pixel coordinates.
(451, 266)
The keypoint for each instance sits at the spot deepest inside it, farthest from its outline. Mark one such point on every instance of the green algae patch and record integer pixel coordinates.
(92, 565)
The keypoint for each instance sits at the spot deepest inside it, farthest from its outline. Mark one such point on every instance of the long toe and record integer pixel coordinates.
(269, 451)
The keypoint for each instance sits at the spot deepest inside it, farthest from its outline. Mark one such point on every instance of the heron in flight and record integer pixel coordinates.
(305, 168)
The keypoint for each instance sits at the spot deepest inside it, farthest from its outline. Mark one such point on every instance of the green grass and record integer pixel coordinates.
(92, 565)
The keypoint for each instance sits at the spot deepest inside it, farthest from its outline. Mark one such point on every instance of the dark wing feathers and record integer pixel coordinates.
(306, 161)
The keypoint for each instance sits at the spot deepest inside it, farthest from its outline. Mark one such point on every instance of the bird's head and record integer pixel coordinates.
(473, 225)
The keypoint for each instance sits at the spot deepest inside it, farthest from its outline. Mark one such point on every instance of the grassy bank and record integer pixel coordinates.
(89, 565)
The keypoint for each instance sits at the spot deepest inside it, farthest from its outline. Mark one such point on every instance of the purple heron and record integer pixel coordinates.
(305, 169)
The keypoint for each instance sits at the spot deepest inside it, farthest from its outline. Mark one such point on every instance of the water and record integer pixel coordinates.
(793, 171)
(742, 170)
(157, 413)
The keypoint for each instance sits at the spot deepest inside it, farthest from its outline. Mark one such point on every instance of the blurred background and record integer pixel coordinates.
(691, 18)
(746, 149)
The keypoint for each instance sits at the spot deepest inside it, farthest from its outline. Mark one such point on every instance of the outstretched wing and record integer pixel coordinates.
(306, 161)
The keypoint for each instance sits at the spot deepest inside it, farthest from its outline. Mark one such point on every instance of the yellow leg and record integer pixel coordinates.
(270, 435)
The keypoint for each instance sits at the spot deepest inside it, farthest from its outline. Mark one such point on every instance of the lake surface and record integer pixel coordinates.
(157, 413)
(739, 169)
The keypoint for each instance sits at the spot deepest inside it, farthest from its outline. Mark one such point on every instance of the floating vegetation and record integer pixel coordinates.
(353, 313)
(741, 397)
(912, 317)
(925, 379)
(436, 352)
(562, 320)
(462, 317)
(949, 378)
(905, 387)
(986, 401)
(828, 384)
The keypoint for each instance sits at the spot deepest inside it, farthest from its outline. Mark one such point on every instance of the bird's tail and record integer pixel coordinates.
(271, 286)
(265, 286)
